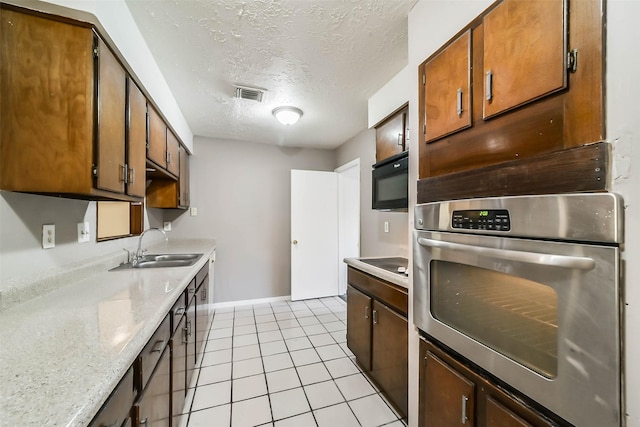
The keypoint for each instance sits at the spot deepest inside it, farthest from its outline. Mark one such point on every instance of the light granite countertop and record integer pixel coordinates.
(395, 278)
(62, 353)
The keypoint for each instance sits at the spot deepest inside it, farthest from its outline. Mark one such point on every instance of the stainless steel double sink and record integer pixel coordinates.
(161, 261)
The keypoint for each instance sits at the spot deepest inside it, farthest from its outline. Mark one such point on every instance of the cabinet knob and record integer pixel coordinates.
(295, 242)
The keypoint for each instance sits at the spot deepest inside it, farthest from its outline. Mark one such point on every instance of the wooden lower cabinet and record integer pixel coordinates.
(190, 337)
(178, 370)
(153, 408)
(377, 334)
(359, 326)
(451, 394)
(389, 354)
(116, 411)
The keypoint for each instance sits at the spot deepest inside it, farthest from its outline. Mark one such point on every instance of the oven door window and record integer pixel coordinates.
(514, 316)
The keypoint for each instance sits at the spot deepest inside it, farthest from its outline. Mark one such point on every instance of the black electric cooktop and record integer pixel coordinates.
(388, 264)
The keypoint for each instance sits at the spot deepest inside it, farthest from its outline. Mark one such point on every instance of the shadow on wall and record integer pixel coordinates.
(24, 214)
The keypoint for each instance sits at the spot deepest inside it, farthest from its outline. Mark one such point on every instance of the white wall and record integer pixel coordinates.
(433, 22)
(115, 18)
(623, 130)
(388, 98)
(373, 240)
(242, 192)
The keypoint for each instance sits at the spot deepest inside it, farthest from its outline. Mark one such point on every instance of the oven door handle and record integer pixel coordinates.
(575, 262)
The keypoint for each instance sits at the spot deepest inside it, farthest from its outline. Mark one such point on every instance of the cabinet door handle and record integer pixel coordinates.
(188, 328)
(144, 422)
(489, 85)
(132, 175)
(459, 102)
(123, 173)
(204, 293)
(179, 312)
(366, 312)
(375, 317)
(464, 418)
(399, 139)
(158, 347)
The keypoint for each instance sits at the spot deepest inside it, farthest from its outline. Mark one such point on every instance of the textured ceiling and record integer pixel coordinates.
(326, 57)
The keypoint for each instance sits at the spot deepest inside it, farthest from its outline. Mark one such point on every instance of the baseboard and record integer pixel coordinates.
(250, 301)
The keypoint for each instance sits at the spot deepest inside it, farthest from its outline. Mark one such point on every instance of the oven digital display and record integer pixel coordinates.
(495, 219)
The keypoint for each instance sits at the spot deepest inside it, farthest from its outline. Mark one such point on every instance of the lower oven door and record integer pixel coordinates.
(542, 316)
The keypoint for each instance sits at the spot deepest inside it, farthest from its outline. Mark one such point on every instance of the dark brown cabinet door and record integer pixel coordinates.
(157, 149)
(153, 407)
(447, 398)
(389, 360)
(112, 82)
(183, 180)
(118, 407)
(447, 89)
(46, 104)
(136, 139)
(524, 53)
(499, 416)
(390, 136)
(359, 311)
(202, 316)
(178, 369)
(190, 336)
(173, 154)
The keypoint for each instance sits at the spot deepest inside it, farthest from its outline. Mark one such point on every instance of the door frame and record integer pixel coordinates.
(348, 202)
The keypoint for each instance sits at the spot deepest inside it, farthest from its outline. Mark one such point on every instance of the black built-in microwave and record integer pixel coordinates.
(390, 183)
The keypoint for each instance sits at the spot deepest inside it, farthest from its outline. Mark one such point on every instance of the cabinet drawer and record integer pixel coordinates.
(386, 292)
(152, 351)
(177, 311)
(118, 406)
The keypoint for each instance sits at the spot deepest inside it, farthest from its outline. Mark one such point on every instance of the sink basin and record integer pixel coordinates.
(162, 261)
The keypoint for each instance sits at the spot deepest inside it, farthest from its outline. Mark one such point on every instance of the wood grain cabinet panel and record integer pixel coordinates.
(173, 154)
(157, 149)
(136, 139)
(153, 408)
(112, 90)
(389, 354)
(359, 307)
(117, 408)
(183, 180)
(391, 136)
(447, 88)
(524, 53)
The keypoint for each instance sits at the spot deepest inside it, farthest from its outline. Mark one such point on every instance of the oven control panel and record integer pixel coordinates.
(493, 219)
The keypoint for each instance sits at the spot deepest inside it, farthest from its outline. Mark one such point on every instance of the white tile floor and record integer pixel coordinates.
(283, 364)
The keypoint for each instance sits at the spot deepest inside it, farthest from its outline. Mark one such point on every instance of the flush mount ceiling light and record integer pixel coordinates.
(287, 115)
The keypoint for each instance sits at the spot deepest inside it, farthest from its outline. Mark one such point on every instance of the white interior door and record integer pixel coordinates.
(314, 234)
(348, 218)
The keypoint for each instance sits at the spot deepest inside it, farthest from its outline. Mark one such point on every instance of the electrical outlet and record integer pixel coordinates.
(194, 212)
(167, 226)
(83, 232)
(48, 236)
(386, 226)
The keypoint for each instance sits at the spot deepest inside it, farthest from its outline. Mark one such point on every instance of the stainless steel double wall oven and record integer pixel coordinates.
(528, 289)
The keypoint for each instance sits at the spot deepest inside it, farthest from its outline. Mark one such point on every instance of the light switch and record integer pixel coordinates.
(48, 236)
(386, 226)
(194, 212)
(167, 226)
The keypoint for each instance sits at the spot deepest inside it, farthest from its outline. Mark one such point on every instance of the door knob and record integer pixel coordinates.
(295, 242)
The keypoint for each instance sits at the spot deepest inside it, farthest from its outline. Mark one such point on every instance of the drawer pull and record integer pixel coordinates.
(144, 422)
(179, 312)
(158, 347)
(375, 317)
(366, 312)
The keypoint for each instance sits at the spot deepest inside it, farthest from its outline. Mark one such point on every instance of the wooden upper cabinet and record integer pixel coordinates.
(157, 149)
(391, 136)
(111, 162)
(136, 139)
(173, 154)
(524, 53)
(447, 89)
(183, 197)
(47, 104)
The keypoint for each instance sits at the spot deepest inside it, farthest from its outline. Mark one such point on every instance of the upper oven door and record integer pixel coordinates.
(542, 316)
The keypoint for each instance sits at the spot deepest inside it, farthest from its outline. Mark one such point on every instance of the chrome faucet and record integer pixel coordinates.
(140, 252)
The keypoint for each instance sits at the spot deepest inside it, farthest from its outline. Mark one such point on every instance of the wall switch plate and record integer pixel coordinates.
(48, 236)
(167, 226)
(83, 232)
(193, 212)
(386, 226)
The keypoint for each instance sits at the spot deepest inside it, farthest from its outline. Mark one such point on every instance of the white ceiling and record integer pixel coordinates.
(326, 57)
